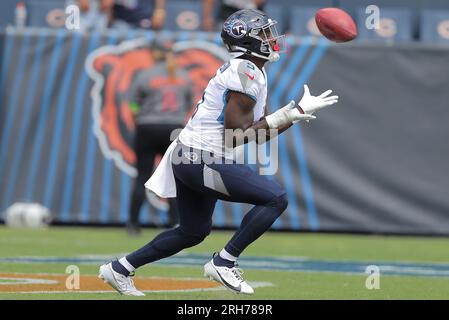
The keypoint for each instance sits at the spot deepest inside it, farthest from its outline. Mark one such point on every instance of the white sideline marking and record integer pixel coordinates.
(221, 288)
(17, 281)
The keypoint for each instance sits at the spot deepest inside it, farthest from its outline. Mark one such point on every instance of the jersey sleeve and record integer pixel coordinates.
(243, 76)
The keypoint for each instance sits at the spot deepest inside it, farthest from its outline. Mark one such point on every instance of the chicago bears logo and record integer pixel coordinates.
(235, 28)
(113, 68)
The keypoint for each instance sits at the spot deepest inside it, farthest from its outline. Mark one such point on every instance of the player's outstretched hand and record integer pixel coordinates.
(294, 113)
(309, 104)
(286, 115)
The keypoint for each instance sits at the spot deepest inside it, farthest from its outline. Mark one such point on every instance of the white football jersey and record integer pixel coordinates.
(205, 129)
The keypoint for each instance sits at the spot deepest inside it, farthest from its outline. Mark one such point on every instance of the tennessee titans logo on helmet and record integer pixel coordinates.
(235, 28)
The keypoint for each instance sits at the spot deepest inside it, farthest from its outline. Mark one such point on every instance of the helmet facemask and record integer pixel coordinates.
(272, 44)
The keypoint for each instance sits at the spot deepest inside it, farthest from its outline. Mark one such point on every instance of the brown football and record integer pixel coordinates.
(336, 25)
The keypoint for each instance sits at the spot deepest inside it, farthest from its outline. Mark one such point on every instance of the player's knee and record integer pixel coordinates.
(283, 202)
(280, 203)
(194, 238)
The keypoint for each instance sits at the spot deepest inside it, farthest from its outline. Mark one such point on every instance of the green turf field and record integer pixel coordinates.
(300, 266)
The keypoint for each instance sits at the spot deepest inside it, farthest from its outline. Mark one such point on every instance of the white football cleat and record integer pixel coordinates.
(231, 278)
(124, 285)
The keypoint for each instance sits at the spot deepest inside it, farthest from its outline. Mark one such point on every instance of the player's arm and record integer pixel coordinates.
(158, 17)
(239, 115)
(290, 114)
(281, 129)
(136, 94)
(208, 15)
(239, 111)
(135, 103)
(84, 5)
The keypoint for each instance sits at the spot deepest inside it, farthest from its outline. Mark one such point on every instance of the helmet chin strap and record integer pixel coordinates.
(272, 57)
(236, 54)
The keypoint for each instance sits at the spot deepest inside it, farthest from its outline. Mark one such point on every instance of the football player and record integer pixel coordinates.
(235, 100)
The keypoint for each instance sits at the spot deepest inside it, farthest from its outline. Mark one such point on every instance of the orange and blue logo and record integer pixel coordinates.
(113, 69)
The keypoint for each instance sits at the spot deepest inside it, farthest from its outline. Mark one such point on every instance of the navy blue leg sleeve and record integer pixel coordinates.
(198, 187)
(258, 220)
(164, 245)
(195, 215)
(237, 183)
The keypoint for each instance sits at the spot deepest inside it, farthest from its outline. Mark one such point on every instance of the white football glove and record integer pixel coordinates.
(286, 115)
(309, 104)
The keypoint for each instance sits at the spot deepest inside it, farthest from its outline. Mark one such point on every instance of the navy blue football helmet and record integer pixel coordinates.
(252, 32)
